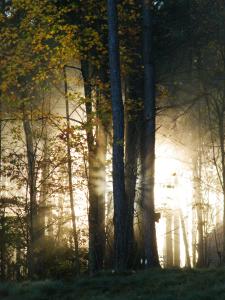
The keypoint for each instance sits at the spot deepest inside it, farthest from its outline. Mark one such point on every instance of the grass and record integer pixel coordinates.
(146, 285)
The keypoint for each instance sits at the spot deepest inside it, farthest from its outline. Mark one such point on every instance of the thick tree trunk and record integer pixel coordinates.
(120, 205)
(70, 177)
(100, 189)
(130, 184)
(93, 205)
(97, 187)
(102, 107)
(148, 141)
(96, 178)
(131, 157)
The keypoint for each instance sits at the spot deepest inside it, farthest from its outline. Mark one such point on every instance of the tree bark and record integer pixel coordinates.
(44, 209)
(169, 240)
(31, 160)
(176, 247)
(2, 209)
(198, 206)
(222, 149)
(148, 141)
(186, 246)
(70, 177)
(2, 243)
(120, 205)
(96, 177)
(131, 157)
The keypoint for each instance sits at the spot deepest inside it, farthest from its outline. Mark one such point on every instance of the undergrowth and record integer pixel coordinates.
(146, 285)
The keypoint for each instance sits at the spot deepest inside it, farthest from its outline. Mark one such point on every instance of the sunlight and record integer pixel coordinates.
(173, 197)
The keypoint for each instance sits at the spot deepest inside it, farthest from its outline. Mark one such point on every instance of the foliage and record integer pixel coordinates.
(40, 39)
(35, 45)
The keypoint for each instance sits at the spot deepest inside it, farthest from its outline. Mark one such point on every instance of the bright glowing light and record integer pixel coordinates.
(173, 196)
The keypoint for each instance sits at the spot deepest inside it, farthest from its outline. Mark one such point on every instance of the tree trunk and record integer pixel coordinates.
(169, 240)
(120, 206)
(70, 177)
(31, 158)
(186, 246)
(2, 209)
(101, 160)
(200, 245)
(194, 234)
(96, 177)
(148, 141)
(221, 140)
(2, 243)
(101, 146)
(44, 211)
(131, 157)
(176, 247)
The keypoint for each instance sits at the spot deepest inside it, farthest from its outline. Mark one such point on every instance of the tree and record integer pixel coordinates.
(148, 140)
(90, 39)
(97, 146)
(120, 205)
(32, 177)
(36, 44)
(69, 166)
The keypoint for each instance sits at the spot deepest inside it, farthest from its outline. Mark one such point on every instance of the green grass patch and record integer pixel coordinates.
(146, 285)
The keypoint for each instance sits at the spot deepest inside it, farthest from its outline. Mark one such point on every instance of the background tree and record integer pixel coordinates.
(120, 205)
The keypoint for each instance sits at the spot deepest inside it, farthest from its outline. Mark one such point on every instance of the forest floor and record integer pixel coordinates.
(147, 285)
